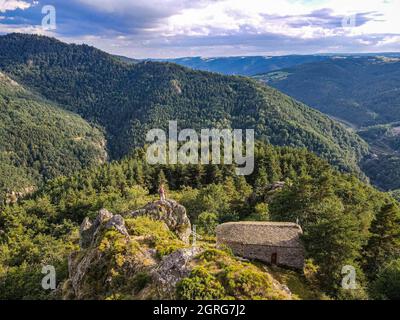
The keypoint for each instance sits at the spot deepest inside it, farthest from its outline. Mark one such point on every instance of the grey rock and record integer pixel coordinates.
(85, 232)
(276, 185)
(118, 223)
(78, 268)
(172, 269)
(89, 230)
(171, 213)
(103, 215)
(286, 289)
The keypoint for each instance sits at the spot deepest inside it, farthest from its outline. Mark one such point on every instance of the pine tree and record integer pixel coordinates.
(384, 243)
(213, 174)
(261, 182)
(138, 174)
(196, 173)
(333, 241)
(162, 179)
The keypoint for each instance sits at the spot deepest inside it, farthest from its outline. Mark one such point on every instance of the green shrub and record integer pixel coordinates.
(159, 236)
(207, 222)
(140, 281)
(219, 275)
(387, 284)
(201, 285)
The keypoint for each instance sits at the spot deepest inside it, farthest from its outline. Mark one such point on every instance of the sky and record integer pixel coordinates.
(210, 28)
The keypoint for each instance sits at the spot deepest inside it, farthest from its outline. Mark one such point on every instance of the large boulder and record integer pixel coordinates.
(171, 213)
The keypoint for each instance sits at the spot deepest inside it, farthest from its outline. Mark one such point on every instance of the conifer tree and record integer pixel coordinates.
(261, 182)
(384, 243)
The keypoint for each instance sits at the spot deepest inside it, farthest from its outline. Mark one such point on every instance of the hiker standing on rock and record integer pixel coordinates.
(161, 191)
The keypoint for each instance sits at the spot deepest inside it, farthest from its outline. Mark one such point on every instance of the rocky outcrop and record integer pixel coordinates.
(13, 196)
(172, 269)
(278, 185)
(80, 264)
(171, 213)
(92, 263)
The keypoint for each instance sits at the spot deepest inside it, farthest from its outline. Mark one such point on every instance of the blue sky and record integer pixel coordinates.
(177, 28)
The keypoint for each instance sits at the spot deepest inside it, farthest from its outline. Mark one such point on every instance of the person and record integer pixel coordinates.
(161, 191)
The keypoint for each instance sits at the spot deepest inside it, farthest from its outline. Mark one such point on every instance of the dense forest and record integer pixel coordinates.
(40, 141)
(129, 99)
(360, 225)
(383, 165)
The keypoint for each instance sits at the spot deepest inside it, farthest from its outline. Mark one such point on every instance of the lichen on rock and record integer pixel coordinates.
(171, 213)
(118, 257)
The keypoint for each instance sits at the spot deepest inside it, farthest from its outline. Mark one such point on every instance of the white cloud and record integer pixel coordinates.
(262, 16)
(388, 40)
(11, 5)
(167, 28)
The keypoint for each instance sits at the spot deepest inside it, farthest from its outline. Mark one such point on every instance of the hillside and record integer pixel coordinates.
(129, 99)
(383, 165)
(363, 91)
(40, 141)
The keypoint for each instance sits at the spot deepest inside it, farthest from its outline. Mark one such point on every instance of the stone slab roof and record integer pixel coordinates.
(277, 234)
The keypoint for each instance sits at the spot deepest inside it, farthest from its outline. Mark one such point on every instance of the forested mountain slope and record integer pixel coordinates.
(363, 91)
(129, 99)
(39, 141)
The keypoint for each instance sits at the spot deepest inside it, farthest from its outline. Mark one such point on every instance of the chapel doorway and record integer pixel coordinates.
(274, 258)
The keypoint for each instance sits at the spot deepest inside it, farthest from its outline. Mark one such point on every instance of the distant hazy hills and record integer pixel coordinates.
(245, 66)
(255, 65)
(39, 141)
(363, 91)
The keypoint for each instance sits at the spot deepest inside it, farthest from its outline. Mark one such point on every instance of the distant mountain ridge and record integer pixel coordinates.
(246, 65)
(255, 65)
